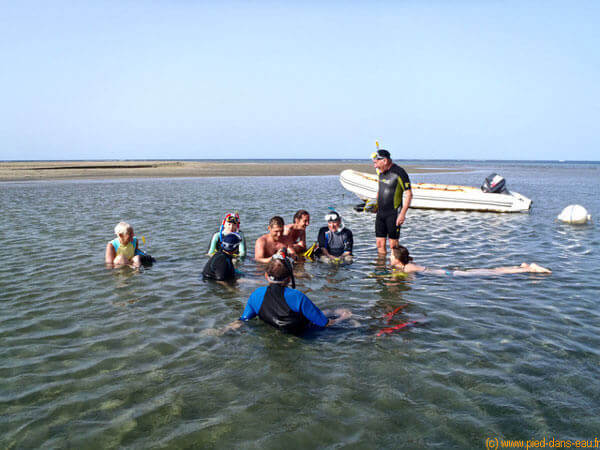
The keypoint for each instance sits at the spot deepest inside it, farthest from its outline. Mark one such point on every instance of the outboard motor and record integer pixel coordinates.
(494, 184)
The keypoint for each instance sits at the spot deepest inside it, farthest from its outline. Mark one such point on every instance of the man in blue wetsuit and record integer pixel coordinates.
(394, 185)
(282, 307)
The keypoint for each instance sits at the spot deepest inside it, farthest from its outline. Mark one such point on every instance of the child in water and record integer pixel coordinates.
(230, 224)
(122, 250)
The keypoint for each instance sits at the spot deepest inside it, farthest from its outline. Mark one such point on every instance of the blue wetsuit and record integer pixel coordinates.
(284, 308)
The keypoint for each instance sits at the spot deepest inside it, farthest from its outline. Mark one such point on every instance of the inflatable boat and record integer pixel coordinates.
(492, 196)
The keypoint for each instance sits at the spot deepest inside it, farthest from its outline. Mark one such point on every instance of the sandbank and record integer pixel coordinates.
(69, 170)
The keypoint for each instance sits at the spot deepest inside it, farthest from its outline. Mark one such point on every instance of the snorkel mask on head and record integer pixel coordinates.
(229, 218)
(333, 216)
(289, 264)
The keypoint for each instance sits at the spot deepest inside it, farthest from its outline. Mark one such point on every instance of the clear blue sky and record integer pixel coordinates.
(130, 79)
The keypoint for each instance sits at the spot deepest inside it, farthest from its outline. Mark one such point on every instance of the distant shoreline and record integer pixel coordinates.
(98, 170)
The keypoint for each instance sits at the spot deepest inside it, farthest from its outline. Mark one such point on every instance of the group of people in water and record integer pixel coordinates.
(278, 304)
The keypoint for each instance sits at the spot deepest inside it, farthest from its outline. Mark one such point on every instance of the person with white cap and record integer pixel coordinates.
(335, 241)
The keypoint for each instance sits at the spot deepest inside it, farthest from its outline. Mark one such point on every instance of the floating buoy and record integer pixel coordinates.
(575, 214)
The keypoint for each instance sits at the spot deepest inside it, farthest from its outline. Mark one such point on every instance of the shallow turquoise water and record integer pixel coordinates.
(91, 357)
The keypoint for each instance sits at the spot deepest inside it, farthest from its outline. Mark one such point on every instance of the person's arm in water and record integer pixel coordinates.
(300, 245)
(322, 241)
(342, 314)
(110, 254)
(213, 244)
(250, 311)
(260, 251)
(348, 244)
(314, 314)
(408, 195)
(242, 245)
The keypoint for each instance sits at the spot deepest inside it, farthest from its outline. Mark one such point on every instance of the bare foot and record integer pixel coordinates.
(533, 267)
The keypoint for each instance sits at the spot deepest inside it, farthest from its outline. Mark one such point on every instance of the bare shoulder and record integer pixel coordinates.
(410, 267)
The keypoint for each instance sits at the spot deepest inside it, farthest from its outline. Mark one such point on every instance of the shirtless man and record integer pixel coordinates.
(269, 244)
(296, 231)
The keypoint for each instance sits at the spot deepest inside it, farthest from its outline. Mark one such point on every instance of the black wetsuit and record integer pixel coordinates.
(336, 243)
(284, 308)
(219, 267)
(392, 185)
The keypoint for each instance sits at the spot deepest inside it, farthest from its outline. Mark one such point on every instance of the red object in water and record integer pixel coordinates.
(400, 326)
(389, 315)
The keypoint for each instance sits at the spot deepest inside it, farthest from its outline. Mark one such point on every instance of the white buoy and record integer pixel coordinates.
(575, 214)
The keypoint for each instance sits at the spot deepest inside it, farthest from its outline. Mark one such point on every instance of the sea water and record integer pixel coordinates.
(98, 358)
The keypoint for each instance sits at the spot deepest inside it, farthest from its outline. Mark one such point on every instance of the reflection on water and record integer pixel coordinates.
(120, 357)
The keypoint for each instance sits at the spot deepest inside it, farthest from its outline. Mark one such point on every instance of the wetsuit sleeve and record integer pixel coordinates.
(348, 242)
(322, 239)
(402, 185)
(253, 305)
(213, 244)
(242, 244)
(299, 302)
(403, 177)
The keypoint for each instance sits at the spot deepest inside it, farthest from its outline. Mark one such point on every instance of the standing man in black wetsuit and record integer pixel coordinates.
(394, 184)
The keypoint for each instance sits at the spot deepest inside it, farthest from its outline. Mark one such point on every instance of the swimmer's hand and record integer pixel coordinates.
(342, 314)
(221, 331)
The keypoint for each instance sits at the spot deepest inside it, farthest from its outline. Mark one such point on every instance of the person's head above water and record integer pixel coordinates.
(382, 160)
(124, 231)
(302, 218)
(276, 228)
(334, 221)
(401, 254)
(231, 242)
(231, 222)
(278, 270)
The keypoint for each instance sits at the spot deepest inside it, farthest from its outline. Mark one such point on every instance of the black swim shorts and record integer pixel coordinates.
(385, 225)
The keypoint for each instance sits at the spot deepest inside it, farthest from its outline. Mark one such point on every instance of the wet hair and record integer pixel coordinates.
(277, 270)
(123, 228)
(276, 220)
(300, 213)
(401, 254)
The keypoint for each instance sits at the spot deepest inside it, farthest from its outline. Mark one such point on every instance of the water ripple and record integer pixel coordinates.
(121, 357)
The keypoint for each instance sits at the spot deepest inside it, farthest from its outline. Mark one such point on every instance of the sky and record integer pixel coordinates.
(184, 79)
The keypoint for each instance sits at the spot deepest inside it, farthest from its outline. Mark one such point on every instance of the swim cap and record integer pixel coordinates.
(381, 154)
(231, 242)
(333, 217)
